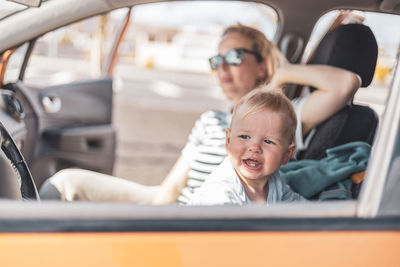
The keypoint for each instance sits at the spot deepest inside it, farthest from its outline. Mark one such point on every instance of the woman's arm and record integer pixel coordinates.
(335, 88)
(173, 184)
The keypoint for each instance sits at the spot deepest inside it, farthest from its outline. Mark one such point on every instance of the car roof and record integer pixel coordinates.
(33, 22)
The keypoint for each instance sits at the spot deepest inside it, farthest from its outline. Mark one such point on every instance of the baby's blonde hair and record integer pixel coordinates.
(266, 49)
(266, 97)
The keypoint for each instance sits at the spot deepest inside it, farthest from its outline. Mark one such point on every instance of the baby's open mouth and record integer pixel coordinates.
(252, 164)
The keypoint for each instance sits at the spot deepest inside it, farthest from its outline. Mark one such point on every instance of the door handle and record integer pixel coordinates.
(51, 104)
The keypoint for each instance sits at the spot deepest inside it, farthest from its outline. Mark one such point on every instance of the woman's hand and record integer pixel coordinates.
(335, 87)
(279, 80)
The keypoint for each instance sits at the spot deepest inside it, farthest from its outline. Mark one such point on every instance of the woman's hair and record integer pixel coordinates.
(266, 97)
(268, 50)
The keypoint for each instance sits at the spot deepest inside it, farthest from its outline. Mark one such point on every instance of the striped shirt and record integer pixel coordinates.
(205, 149)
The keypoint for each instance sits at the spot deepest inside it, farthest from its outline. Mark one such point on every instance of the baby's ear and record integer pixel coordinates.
(289, 153)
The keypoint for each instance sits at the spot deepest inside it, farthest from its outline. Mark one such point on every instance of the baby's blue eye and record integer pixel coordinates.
(269, 142)
(244, 137)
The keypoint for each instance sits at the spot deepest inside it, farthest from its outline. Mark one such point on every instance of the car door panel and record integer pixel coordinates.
(81, 103)
(77, 132)
(83, 146)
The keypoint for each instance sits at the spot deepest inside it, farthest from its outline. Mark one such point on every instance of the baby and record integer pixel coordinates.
(260, 139)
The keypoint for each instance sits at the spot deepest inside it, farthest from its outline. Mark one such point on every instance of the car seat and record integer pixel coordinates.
(352, 47)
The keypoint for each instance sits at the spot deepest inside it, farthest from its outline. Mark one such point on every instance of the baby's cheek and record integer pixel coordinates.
(233, 148)
(235, 154)
(234, 160)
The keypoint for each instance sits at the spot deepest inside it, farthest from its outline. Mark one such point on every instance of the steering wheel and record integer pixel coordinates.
(15, 178)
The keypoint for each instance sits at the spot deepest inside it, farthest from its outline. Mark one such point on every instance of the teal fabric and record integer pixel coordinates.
(339, 190)
(309, 177)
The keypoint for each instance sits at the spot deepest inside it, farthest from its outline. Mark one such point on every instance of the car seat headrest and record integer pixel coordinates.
(352, 47)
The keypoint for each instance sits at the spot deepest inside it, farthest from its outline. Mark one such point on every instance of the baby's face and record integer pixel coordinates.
(257, 144)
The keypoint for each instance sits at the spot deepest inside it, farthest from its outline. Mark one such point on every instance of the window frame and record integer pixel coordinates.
(366, 206)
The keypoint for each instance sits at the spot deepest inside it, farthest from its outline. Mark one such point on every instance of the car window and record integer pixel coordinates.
(383, 26)
(389, 205)
(163, 81)
(15, 64)
(71, 53)
(376, 96)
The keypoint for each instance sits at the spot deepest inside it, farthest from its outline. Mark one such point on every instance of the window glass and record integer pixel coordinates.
(15, 64)
(389, 204)
(71, 53)
(163, 81)
(383, 26)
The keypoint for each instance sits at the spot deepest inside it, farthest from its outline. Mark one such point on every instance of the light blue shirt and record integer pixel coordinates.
(223, 187)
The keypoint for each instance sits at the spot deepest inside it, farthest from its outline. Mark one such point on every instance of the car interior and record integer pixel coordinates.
(352, 47)
(340, 47)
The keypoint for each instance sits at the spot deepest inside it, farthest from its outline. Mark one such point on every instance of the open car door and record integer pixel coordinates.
(68, 124)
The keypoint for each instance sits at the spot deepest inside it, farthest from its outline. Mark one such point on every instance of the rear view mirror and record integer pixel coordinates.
(31, 3)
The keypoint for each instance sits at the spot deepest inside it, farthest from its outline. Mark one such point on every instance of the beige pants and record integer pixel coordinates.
(79, 184)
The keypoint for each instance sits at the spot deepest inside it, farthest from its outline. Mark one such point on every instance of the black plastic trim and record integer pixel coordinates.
(202, 225)
(26, 59)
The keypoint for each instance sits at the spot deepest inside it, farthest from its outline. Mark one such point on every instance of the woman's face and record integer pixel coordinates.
(238, 80)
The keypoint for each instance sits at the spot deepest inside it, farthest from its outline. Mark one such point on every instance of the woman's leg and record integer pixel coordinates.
(79, 184)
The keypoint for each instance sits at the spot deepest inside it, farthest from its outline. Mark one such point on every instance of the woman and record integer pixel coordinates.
(245, 60)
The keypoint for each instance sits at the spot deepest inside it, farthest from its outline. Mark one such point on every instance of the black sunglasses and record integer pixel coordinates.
(233, 57)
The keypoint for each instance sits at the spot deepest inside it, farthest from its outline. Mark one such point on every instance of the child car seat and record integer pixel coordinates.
(352, 47)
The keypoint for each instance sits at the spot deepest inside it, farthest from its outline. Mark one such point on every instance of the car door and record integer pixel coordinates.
(67, 104)
(68, 126)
